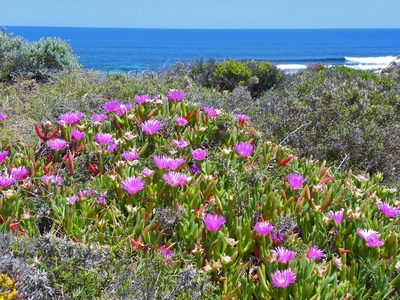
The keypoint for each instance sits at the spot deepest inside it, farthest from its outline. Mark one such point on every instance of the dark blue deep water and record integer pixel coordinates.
(133, 50)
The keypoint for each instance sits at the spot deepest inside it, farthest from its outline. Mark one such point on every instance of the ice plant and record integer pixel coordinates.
(199, 154)
(263, 228)
(140, 99)
(132, 185)
(315, 253)
(112, 147)
(72, 199)
(180, 143)
(176, 95)
(146, 172)
(129, 155)
(3, 155)
(99, 118)
(2, 116)
(241, 119)
(213, 222)
(175, 178)
(282, 254)
(244, 149)
(78, 135)
(56, 179)
(111, 106)
(180, 121)
(123, 108)
(6, 180)
(370, 236)
(151, 126)
(282, 279)
(70, 118)
(337, 216)
(166, 253)
(295, 180)
(210, 112)
(167, 163)
(103, 138)
(57, 144)
(19, 172)
(388, 210)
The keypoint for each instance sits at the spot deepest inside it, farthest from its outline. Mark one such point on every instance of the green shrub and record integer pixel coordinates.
(37, 60)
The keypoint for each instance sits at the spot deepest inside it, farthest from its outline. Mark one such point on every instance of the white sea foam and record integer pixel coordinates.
(291, 66)
(380, 60)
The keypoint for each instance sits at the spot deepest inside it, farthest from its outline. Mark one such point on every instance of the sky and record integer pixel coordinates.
(218, 14)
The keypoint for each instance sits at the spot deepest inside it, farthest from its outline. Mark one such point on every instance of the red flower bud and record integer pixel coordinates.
(285, 160)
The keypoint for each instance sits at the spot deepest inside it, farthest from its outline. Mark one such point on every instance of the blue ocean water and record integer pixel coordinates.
(133, 50)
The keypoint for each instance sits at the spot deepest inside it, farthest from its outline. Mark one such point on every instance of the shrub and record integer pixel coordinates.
(37, 60)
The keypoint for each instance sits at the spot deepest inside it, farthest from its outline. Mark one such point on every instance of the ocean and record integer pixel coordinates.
(135, 50)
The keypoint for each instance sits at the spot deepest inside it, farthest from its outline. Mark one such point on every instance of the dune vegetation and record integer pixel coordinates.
(214, 180)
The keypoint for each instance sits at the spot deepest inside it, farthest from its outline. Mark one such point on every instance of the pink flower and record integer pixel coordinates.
(78, 135)
(284, 278)
(337, 216)
(132, 185)
(140, 99)
(70, 118)
(51, 179)
(388, 210)
(99, 118)
(277, 237)
(3, 155)
(112, 147)
(2, 116)
(199, 154)
(151, 126)
(213, 222)
(242, 118)
(371, 237)
(180, 143)
(101, 199)
(129, 155)
(167, 163)
(71, 200)
(167, 253)
(176, 95)
(6, 180)
(210, 112)
(19, 172)
(282, 254)
(315, 253)
(57, 144)
(103, 138)
(111, 106)
(180, 121)
(147, 172)
(244, 149)
(175, 178)
(295, 181)
(123, 108)
(374, 243)
(263, 228)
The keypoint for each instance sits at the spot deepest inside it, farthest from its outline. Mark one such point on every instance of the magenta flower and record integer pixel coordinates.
(2, 116)
(78, 135)
(112, 147)
(295, 181)
(167, 253)
(51, 179)
(175, 178)
(277, 237)
(180, 121)
(176, 95)
(263, 228)
(57, 144)
(199, 154)
(140, 99)
(70, 118)
(315, 253)
(194, 169)
(213, 222)
(71, 200)
(19, 172)
(244, 149)
(167, 163)
(147, 172)
(99, 118)
(103, 138)
(151, 126)
(282, 254)
(337, 216)
(101, 199)
(129, 155)
(123, 108)
(210, 112)
(284, 278)
(180, 143)
(132, 185)
(371, 237)
(6, 180)
(242, 118)
(388, 210)
(3, 155)
(374, 243)
(111, 106)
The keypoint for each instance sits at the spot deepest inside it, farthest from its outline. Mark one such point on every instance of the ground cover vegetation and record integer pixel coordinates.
(170, 186)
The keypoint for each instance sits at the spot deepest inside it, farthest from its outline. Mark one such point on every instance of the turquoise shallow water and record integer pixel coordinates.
(134, 50)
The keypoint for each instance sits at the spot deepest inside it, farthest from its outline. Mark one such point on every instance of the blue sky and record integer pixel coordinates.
(268, 14)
